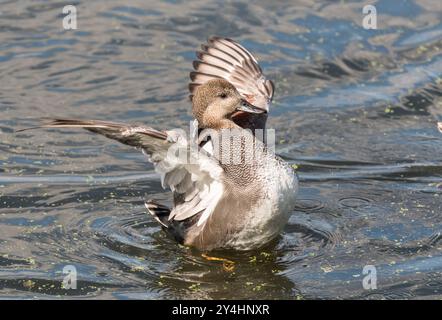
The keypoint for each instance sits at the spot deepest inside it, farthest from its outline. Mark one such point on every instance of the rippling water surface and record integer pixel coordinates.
(354, 109)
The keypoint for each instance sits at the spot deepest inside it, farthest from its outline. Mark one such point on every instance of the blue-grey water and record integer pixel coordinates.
(355, 110)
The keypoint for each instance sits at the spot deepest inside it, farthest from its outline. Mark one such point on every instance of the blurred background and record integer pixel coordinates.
(355, 111)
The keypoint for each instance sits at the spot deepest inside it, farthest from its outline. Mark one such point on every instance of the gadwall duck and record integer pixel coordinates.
(229, 189)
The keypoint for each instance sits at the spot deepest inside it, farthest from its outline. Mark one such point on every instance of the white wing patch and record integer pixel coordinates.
(196, 176)
(213, 197)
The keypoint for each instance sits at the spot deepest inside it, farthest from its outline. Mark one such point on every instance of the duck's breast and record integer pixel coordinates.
(267, 218)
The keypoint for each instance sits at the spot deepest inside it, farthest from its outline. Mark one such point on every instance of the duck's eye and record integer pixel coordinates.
(223, 95)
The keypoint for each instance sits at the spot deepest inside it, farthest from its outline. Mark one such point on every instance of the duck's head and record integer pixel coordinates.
(217, 103)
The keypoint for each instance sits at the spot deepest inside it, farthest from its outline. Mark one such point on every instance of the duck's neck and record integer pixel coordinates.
(211, 122)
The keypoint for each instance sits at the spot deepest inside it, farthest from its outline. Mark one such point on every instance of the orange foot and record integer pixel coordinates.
(228, 265)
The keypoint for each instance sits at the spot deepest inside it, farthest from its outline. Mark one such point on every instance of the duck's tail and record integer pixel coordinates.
(158, 211)
(161, 214)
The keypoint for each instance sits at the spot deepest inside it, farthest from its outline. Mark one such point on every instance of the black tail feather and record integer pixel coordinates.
(159, 212)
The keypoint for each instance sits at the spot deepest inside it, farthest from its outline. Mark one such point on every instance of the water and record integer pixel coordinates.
(355, 109)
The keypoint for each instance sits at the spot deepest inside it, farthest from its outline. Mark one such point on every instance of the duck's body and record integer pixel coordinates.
(230, 191)
(255, 201)
(258, 210)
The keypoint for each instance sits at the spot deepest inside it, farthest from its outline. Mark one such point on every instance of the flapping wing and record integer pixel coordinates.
(148, 139)
(227, 59)
(194, 176)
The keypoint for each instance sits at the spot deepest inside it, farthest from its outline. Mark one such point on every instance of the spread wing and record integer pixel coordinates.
(227, 59)
(195, 177)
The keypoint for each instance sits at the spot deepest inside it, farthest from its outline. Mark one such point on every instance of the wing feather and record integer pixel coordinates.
(227, 59)
(196, 178)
